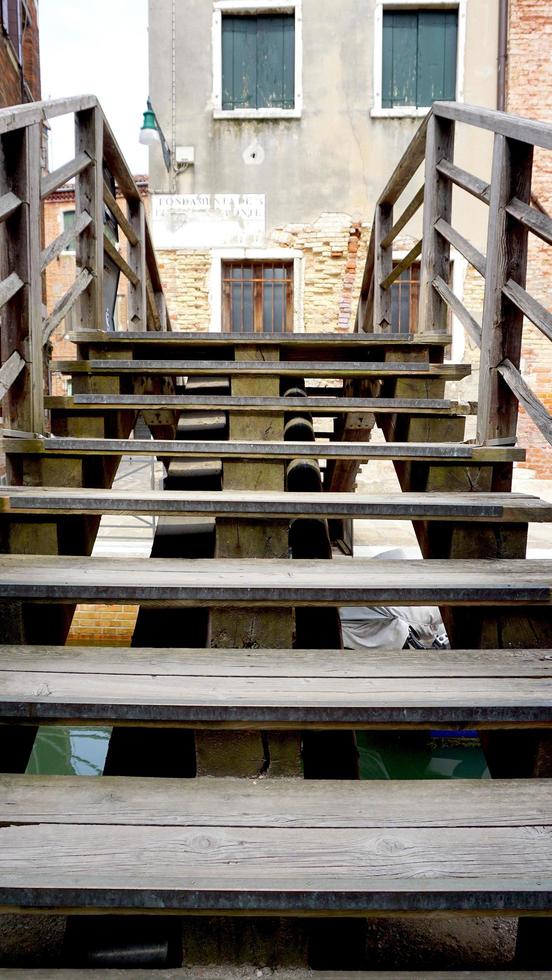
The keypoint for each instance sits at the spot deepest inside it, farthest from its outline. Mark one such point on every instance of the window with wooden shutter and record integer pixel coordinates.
(69, 223)
(12, 25)
(257, 297)
(258, 61)
(404, 300)
(419, 57)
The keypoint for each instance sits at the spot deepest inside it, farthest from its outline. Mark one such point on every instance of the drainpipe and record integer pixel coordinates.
(502, 55)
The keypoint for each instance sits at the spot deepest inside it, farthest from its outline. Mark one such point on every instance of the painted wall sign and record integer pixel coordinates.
(207, 220)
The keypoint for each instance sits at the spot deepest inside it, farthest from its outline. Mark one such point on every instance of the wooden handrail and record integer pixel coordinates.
(500, 123)
(27, 114)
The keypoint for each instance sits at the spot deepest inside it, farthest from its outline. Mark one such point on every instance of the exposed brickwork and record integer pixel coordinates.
(185, 278)
(103, 625)
(529, 93)
(20, 83)
(334, 253)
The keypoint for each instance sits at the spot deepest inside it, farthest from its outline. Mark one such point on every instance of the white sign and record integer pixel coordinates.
(207, 220)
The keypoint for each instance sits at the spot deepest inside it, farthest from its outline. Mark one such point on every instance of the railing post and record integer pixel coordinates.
(383, 265)
(21, 316)
(433, 313)
(89, 197)
(501, 329)
(137, 308)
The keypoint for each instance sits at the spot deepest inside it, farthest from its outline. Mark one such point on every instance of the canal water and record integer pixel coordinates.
(65, 751)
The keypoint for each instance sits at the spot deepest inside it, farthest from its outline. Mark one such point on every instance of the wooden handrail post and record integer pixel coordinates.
(137, 308)
(433, 314)
(20, 165)
(89, 197)
(383, 265)
(501, 329)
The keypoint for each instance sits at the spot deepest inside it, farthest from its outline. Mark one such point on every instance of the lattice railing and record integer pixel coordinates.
(504, 268)
(25, 257)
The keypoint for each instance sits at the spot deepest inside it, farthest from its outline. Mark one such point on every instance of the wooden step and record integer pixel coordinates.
(317, 405)
(270, 582)
(275, 688)
(278, 847)
(253, 973)
(219, 802)
(304, 369)
(358, 451)
(287, 340)
(499, 507)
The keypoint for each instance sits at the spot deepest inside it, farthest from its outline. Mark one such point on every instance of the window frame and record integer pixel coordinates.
(62, 212)
(407, 111)
(221, 255)
(254, 8)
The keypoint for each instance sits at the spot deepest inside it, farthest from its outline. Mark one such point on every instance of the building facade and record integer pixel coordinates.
(19, 52)
(284, 120)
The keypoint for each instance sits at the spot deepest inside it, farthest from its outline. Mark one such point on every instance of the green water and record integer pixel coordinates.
(63, 751)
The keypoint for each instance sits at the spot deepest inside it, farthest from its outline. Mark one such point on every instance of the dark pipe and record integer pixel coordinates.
(502, 55)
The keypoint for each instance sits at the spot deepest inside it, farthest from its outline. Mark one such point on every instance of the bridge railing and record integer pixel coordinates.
(504, 268)
(24, 256)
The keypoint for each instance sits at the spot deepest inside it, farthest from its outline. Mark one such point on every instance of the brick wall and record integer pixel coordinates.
(334, 253)
(20, 83)
(529, 93)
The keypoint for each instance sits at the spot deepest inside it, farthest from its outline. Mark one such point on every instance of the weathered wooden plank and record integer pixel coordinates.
(119, 261)
(244, 973)
(55, 248)
(88, 695)
(407, 166)
(462, 245)
(258, 450)
(51, 181)
(532, 405)
(117, 165)
(459, 310)
(273, 869)
(405, 263)
(352, 581)
(503, 123)
(487, 507)
(405, 217)
(65, 304)
(285, 804)
(9, 204)
(19, 116)
(89, 133)
(305, 369)
(462, 178)
(537, 222)
(316, 404)
(279, 663)
(530, 307)
(9, 371)
(119, 215)
(433, 314)
(9, 287)
(207, 340)
(383, 266)
(137, 302)
(502, 321)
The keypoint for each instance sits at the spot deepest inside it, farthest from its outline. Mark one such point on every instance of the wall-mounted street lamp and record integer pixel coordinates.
(151, 132)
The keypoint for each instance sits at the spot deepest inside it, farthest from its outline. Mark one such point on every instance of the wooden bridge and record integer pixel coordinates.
(231, 783)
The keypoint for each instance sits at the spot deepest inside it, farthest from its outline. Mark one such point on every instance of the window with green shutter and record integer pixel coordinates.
(68, 224)
(419, 57)
(258, 62)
